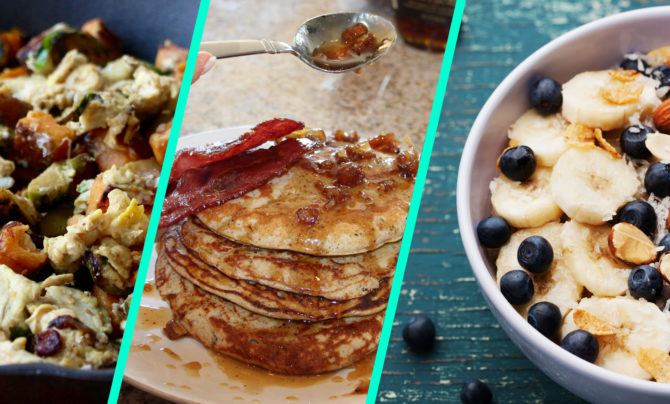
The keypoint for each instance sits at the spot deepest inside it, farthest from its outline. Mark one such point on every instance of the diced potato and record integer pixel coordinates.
(17, 249)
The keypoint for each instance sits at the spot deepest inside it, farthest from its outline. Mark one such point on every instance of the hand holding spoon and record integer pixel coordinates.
(311, 35)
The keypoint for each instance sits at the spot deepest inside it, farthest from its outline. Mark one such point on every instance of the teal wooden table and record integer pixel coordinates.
(496, 35)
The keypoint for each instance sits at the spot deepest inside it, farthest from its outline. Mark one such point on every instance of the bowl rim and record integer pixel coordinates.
(486, 282)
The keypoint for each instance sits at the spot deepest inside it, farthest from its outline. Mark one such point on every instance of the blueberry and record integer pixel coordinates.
(632, 141)
(663, 88)
(657, 180)
(660, 72)
(517, 287)
(419, 333)
(582, 344)
(517, 163)
(493, 232)
(545, 96)
(634, 62)
(535, 254)
(665, 243)
(476, 392)
(545, 317)
(640, 214)
(645, 282)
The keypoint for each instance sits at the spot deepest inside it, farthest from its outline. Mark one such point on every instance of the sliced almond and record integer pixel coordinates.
(662, 117)
(664, 267)
(659, 145)
(656, 362)
(595, 325)
(630, 244)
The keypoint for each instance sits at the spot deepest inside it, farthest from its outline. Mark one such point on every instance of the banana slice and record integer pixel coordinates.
(589, 185)
(557, 285)
(586, 253)
(641, 328)
(543, 134)
(607, 99)
(612, 353)
(525, 204)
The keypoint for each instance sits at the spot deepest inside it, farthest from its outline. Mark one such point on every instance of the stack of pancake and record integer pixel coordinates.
(294, 276)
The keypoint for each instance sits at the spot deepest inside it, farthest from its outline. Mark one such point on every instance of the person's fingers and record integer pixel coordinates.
(203, 64)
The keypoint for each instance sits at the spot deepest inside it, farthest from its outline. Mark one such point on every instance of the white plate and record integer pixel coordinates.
(169, 369)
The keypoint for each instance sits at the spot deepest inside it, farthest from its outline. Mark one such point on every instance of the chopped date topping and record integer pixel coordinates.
(342, 136)
(360, 151)
(385, 143)
(48, 343)
(333, 193)
(350, 174)
(386, 185)
(408, 163)
(355, 39)
(308, 215)
(352, 33)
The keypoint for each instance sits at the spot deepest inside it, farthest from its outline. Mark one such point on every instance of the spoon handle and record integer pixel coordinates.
(227, 49)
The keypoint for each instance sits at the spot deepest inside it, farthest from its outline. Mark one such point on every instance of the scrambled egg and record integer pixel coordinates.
(124, 221)
(81, 326)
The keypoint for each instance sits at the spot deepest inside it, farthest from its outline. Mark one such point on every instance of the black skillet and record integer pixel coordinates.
(142, 25)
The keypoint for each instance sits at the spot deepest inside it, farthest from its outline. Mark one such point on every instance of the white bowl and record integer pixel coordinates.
(598, 45)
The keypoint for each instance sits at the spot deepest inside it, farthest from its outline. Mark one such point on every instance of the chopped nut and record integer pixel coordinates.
(630, 244)
(662, 117)
(664, 267)
(659, 145)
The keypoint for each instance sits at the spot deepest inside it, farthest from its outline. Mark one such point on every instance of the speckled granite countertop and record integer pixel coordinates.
(393, 95)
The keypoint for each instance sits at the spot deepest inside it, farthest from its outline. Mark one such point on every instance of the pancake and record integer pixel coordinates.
(337, 278)
(263, 300)
(320, 206)
(287, 347)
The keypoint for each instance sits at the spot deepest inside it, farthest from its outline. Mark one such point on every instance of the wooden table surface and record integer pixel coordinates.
(496, 35)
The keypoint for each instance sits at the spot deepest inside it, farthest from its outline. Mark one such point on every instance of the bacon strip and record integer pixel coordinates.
(199, 157)
(222, 181)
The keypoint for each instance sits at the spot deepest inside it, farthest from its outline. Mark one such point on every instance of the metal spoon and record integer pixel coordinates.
(311, 34)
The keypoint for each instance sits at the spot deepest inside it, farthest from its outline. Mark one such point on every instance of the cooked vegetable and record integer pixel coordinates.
(81, 127)
(10, 43)
(159, 139)
(11, 110)
(56, 181)
(14, 206)
(38, 141)
(17, 249)
(170, 57)
(44, 55)
(98, 30)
